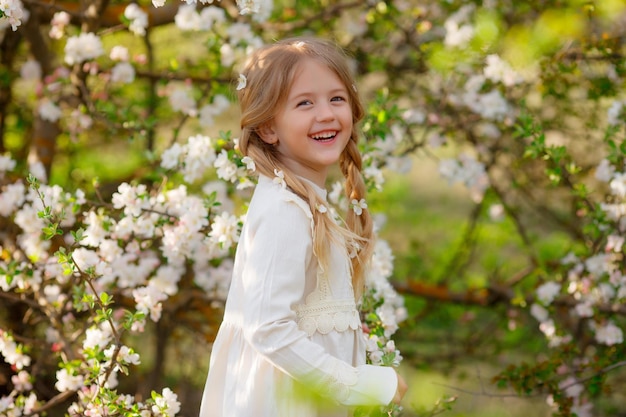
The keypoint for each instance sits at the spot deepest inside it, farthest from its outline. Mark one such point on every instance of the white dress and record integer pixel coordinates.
(289, 331)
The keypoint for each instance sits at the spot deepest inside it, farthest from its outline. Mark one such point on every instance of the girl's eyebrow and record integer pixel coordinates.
(311, 93)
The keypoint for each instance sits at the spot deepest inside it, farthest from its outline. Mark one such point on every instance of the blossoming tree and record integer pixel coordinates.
(521, 105)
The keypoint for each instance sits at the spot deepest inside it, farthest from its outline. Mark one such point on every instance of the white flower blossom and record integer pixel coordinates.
(119, 53)
(170, 158)
(181, 100)
(208, 112)
(457, 35)
(211, 15)
(609, 334)
(58, 23)
(125, 355)
(67, 381)
(376, 357)
(166, 279)
(12, 196)
(79, 121)
(85, 258)
(38, 170)
(618, 184)
(226, 169)
(492, 105)
(597, 264)
(148, 300)
(466, 170)
(539, 312)
(242, 82)
(12, 352)
(547, 328)
(167, 404)
(123, 72)
(227, 55)
(605, 171)
(187, 18)
(496, 212)
(250, 165)
(225, 230)
(498, 70)
(31, 70)
(614, 112)
(279, 178)
(81, 48)
(243, 33)
(374, 174)
(215, 281)
(130, 198)
(95, 233)
(358, 206)
(7, 163)
(49, 111)
(488, 130)
(13, 11)
(22, 381)
(371, 343)
(547, 292)
(415, 116)
(260, 9)
(96, 338)
(584, 309)
(321, 208)
(614, 243)
(138, 19)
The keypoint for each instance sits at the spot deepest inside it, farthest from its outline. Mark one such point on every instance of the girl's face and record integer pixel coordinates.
(314, 125)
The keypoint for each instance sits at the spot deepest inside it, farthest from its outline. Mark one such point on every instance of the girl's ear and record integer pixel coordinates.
(267, 133)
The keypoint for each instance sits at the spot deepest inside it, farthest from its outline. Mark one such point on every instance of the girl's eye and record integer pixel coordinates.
(338, 98)
(304, 103)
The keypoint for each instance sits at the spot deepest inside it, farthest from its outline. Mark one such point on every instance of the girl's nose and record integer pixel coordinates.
(325, 112)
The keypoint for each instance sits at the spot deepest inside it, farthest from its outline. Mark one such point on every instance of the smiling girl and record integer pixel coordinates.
(291, 344)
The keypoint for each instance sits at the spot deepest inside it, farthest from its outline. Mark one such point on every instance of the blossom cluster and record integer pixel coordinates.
(87, 49)
(468, 171)
(585, 293)
(383, 308)
(596, 281)
(115, 252)
(13, 13)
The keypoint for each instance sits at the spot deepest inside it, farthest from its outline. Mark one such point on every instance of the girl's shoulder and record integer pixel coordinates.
(271, 199)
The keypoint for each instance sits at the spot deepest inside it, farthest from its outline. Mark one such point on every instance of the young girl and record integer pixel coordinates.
(291, 343)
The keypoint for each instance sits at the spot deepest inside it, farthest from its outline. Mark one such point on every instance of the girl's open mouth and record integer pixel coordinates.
(324, 136)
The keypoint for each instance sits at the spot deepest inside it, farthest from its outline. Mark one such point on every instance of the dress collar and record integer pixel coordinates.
(321, 192)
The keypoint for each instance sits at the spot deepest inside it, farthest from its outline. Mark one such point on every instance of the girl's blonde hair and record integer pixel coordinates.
(270, 72)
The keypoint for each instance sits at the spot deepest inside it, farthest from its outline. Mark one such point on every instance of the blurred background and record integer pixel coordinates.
(490, 125)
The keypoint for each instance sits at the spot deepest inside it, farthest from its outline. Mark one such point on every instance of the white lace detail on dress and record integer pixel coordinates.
(323, 314)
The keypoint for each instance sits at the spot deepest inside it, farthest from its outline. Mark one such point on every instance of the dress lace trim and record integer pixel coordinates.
(325, 316)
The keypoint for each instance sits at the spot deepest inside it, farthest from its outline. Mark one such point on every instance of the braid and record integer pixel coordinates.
(360, 225)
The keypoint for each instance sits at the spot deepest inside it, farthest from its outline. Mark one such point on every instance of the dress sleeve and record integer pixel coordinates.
(279, 250)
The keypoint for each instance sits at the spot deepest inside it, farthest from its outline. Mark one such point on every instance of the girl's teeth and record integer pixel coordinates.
(324, 136)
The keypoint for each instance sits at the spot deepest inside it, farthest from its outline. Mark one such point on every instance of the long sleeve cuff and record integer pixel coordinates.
(376, 385)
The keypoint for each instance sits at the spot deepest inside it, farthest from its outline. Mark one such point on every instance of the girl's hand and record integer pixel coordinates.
(401, 390)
